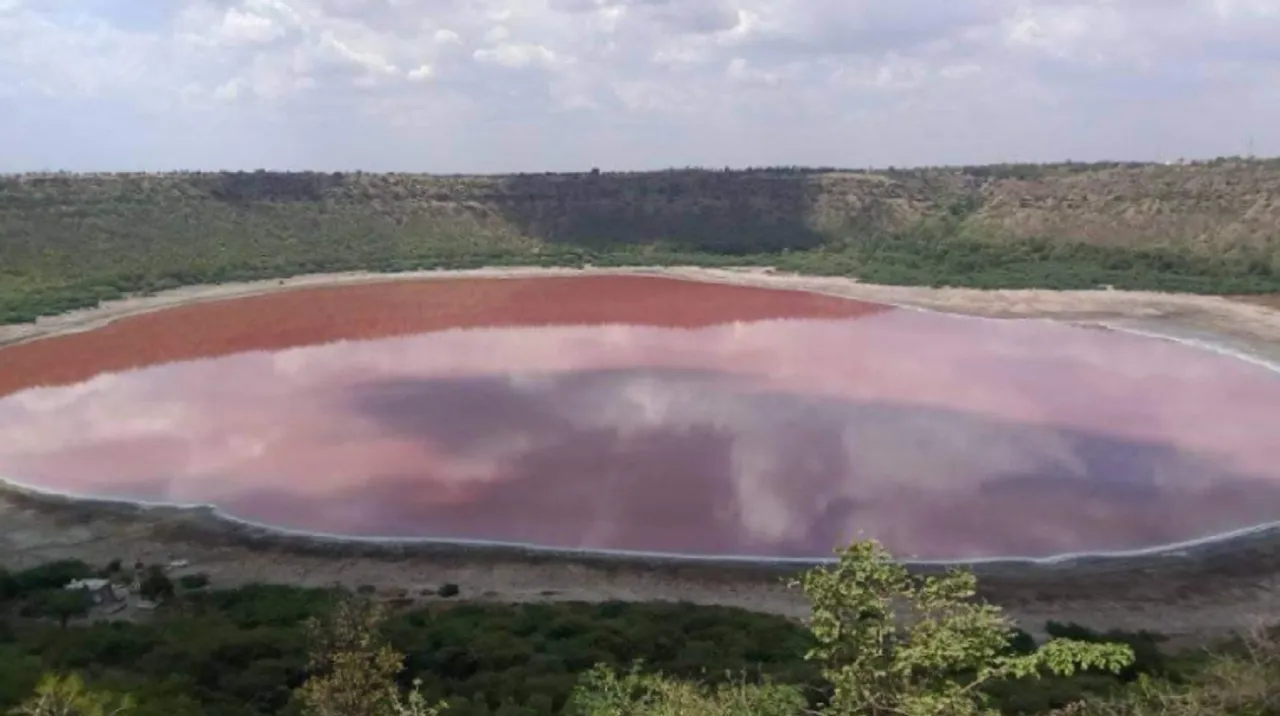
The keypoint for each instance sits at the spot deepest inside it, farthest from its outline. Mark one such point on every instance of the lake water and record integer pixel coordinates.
(750, 431)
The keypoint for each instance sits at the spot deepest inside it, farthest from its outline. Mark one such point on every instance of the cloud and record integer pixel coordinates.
(516, 55)
(568, 84)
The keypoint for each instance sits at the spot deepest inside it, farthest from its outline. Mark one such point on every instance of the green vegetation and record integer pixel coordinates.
(67, 696)
(70, 241)
(938, 662)
(155, 584)
(603, 692)
(193, 581)
(353, 670)
(880, 641)
(243, 651)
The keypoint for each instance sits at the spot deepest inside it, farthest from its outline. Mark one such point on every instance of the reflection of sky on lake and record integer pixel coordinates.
(945, 437)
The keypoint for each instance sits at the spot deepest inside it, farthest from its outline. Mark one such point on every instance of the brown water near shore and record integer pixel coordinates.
(395, 308)
(651, 414)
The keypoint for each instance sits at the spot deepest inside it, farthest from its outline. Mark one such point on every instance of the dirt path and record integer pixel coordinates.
(1194, 595)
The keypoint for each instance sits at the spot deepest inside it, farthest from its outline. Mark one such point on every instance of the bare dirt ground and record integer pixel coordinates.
(1192, 594)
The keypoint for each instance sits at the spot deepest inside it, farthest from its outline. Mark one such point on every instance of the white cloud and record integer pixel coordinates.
(497, 33)
(516, 54)
(634, 83)
(249, 27)
(739, 71)
(227, 91)
(423, 72)
(370, 60)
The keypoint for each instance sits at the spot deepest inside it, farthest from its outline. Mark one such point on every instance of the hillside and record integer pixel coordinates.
(69, 240)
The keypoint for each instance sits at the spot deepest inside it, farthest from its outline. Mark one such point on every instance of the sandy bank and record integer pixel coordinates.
(1194, 595)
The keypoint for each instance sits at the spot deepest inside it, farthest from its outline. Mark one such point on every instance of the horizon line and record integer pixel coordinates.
(726, 169)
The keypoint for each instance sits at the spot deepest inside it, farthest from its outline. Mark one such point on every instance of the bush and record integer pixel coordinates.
(156, 585)
(193, 581)
(54, 575)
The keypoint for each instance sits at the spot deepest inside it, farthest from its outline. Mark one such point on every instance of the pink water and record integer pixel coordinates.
(945, 437)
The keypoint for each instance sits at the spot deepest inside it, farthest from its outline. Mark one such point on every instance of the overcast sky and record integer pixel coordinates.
(531, 85)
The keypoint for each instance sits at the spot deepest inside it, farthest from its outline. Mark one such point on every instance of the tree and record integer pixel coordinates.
(1238, 681)
(156, 585)
(353, 670)
(194, 581)
(63, 604)
(890, 642)
(67, 696)
(415, 704)
(603, 692)
(20, 672)
(8, 585)
(53, 575)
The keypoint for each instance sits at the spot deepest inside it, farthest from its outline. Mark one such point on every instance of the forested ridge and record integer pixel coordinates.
(71, 240)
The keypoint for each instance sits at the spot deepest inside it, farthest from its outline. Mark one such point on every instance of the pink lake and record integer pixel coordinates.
(944, 437)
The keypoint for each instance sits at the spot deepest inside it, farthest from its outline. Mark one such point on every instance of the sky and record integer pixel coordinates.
(568, 85)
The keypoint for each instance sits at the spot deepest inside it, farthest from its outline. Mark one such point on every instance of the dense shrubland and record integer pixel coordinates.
(69, 241)
(880, 641)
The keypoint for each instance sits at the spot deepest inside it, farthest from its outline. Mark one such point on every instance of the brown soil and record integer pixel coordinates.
(1270, 300)
(312, 316)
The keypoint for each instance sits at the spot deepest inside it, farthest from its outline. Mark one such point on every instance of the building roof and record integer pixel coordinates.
(92, 585)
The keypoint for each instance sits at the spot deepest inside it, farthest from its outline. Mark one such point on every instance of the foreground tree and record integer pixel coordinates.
(603, 692)
(890, 642)
(353, 670)
(67, 696)
(1241, 681)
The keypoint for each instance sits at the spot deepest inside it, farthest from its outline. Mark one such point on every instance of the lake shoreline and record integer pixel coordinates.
(1245, 318)
(1195, 594)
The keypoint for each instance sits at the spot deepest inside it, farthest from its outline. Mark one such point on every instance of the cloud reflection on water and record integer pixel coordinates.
(945, 437)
